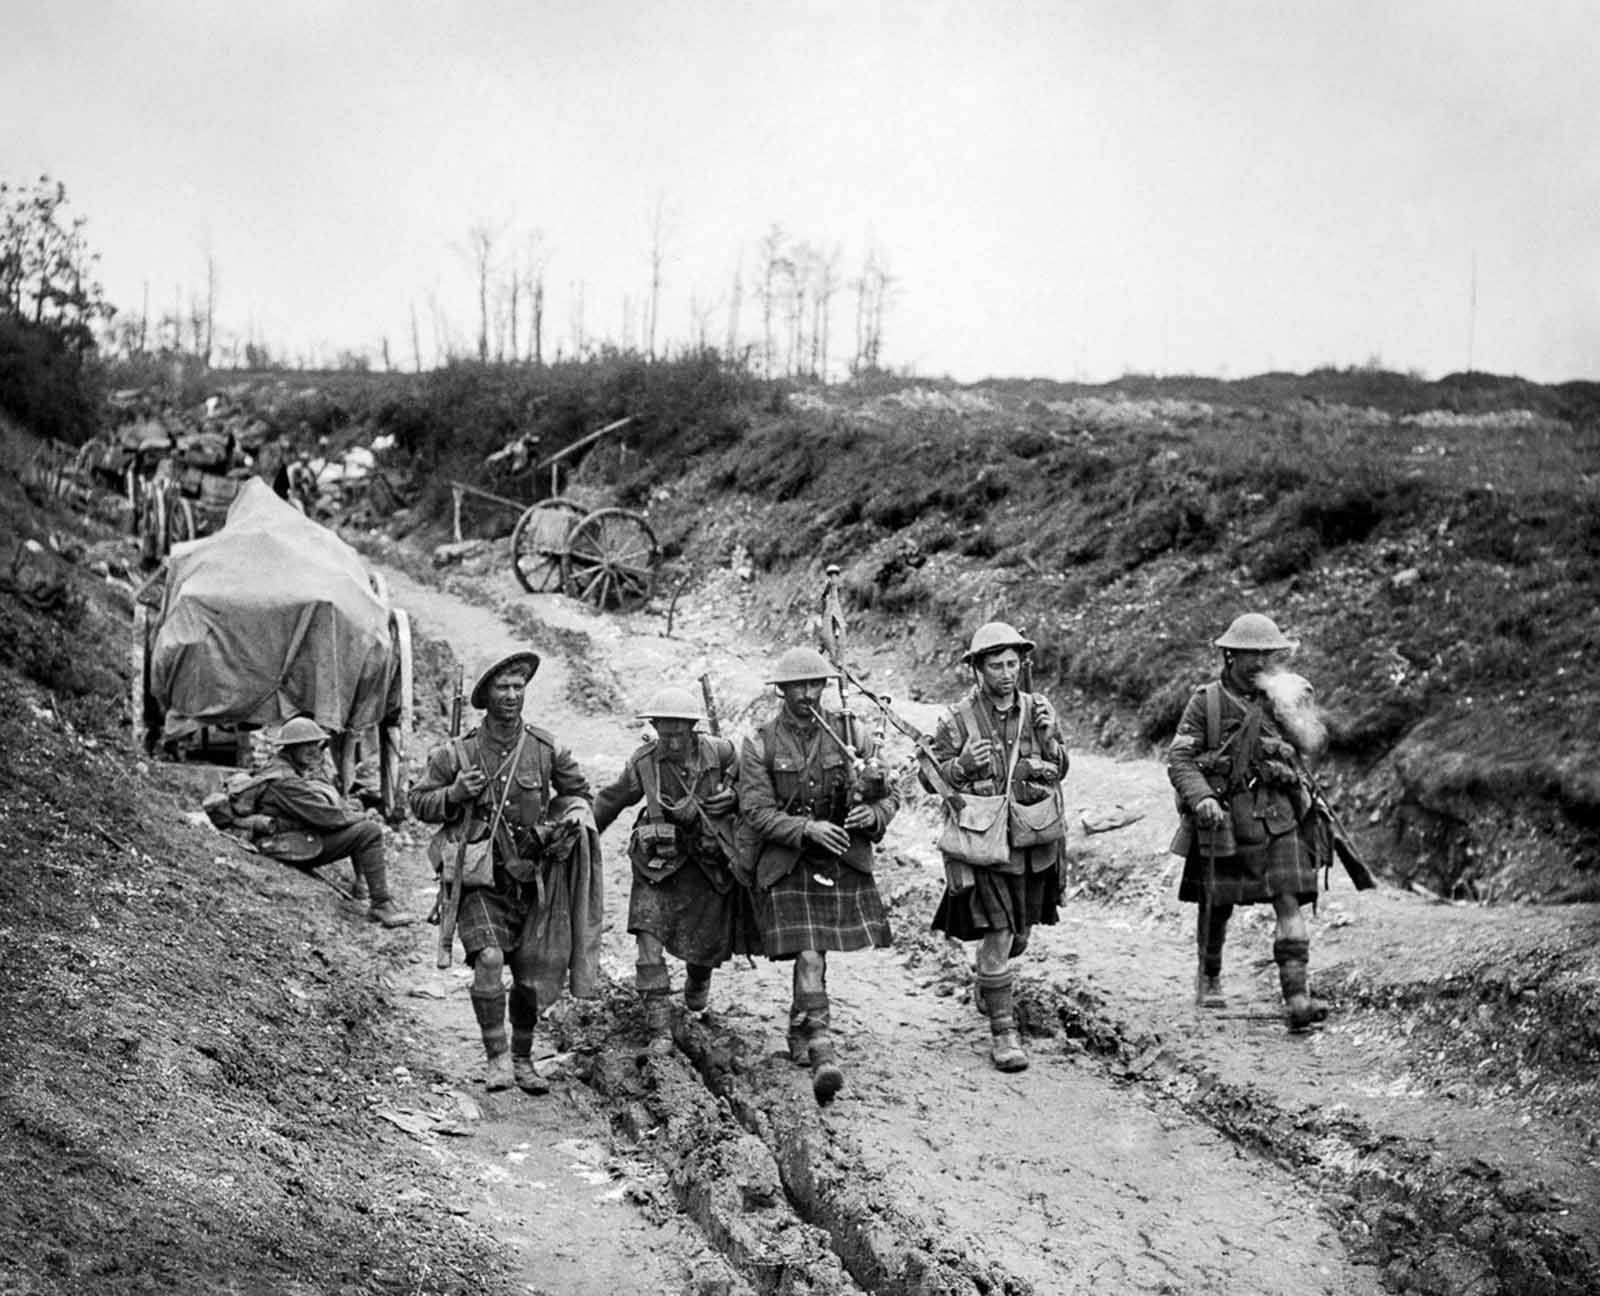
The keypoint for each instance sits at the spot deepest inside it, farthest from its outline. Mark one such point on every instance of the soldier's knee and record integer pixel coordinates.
(489, 963)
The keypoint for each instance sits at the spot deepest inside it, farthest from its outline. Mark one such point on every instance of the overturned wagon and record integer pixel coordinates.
(272, 617)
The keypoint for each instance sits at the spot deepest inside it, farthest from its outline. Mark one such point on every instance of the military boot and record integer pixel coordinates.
(1292, 957)
(490, 1009)
(1005, 1042)
(696, 987)
(826, 1077)
(1208, 989)
(498, 1072)
(799, 1036)
(655, 988)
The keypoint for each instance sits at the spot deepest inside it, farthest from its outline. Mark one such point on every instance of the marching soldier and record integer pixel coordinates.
(812, 803)
(684, 899)
(1248, 833)
(531, 892)
(1001, 741)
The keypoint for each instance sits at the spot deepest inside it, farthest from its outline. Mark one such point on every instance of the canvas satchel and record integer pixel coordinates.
(979, 834)
(1040, 822)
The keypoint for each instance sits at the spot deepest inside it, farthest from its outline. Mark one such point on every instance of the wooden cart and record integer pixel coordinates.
(607, 558)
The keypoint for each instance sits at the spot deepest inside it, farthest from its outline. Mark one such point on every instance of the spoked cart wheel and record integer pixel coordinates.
(539, 541)
(152, 524)
(610, 560)
(395, 731)
(180, 521)
(143, 713)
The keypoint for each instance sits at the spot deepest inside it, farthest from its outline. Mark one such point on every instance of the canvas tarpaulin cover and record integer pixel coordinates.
(270, 618)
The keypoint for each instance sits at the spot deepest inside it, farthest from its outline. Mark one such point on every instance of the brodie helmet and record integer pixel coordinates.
(993, 636)
(480, 691)
(799, 664)
(1254, 632)
(672, 703)
(302, 729)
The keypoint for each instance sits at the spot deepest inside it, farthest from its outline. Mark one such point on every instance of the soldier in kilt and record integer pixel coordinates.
(812, 802)
(996, 740)
(684, 900)
(512, 784)
(1248, 834)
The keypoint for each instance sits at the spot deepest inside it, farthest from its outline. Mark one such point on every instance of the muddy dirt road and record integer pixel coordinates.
(932, 1171)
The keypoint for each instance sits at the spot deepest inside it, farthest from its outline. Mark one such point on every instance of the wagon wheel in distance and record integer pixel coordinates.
(538, 542)
(152, 524)
(180, 521)
(611, 559)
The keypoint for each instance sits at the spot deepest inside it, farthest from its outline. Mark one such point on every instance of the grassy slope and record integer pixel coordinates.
(1436, 548)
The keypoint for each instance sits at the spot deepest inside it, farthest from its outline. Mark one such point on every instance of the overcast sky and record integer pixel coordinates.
(1058, 189)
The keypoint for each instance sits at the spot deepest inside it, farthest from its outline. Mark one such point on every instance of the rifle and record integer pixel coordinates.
(712, 723)
(1343, 847)
(927, 762)
(449, 901)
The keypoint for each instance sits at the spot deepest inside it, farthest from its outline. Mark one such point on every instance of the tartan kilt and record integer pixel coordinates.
(1282, 865)
(799, 913)
(1002, 901)
(691, 918)
(490, 917)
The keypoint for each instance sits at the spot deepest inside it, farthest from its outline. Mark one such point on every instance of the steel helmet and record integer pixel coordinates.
(802, 664)
(992, 636)
(1254, 632)
(302, 729)
(672, 703)
(480, 691)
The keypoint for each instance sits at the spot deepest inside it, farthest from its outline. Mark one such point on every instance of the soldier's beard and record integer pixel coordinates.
(1294, 707)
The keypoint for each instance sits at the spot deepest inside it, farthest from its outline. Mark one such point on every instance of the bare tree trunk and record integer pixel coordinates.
(735, 300)
(658, 236)
(771, 268)
(578, 340)
(513, 312)
(538, 321)
(480, 245)
(211, 307)
(416, 339)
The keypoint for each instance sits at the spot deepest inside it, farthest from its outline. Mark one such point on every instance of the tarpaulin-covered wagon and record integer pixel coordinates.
(273, 617)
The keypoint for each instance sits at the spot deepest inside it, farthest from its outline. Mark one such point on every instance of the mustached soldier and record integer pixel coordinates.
(1247, 834)
(684, 900)
(513, 785)
(996, 738)
(807, 823)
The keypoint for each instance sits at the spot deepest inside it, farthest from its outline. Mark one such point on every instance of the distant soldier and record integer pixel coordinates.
(295, 790)
(684, 900)
(1248, 834)
(812, 803)
(534, 900)
(1000, 740)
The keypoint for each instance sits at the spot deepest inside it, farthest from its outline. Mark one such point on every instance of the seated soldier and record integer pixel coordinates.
(295, 791)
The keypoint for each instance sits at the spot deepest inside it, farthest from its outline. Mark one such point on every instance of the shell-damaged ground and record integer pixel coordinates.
(215, 1075)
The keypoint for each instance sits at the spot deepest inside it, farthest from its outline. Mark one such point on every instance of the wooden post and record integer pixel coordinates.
(455, 495)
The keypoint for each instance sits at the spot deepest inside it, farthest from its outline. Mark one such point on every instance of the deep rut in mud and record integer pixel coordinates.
(931, 1173)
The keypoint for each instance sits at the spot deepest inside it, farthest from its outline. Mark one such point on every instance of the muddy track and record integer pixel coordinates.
(1124, 1160)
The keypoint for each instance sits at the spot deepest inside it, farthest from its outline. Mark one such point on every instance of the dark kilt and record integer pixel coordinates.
(1004, 901)
(691, 918)
(493, 917)
(799, 913)
(1283, 865)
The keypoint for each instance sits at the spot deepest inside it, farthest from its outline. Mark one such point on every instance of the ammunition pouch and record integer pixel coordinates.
(653, 850)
